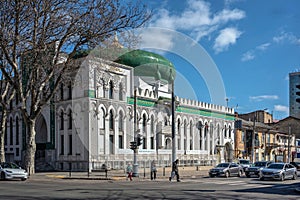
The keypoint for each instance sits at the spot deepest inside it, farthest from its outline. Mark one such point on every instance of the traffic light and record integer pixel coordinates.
(139, 140)
(133, 145)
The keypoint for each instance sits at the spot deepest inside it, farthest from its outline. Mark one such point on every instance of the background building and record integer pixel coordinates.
(294, 94)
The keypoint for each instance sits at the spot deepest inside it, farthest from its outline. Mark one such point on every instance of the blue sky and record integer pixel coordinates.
(255, 44)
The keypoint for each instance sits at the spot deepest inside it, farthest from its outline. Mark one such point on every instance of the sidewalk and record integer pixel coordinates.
(118, 175)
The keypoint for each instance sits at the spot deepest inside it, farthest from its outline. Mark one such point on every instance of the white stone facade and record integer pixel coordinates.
(92, 123)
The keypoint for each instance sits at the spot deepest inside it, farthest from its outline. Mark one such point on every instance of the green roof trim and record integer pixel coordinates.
(201, 112)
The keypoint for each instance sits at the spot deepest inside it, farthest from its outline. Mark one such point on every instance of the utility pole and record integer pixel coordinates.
(289, 145)
(253, 138)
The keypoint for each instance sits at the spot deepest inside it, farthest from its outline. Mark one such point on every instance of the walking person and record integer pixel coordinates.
(153, 170)
(129, 171)
(174, 171)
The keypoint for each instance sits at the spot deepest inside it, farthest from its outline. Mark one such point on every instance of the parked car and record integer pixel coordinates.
(244, 163)
(12, 171)
(256, 167)
(279, 171)
(296, 164)
(226, 169)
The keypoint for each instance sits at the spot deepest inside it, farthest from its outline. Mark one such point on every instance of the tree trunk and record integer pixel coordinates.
(29, 161)
(2, 134)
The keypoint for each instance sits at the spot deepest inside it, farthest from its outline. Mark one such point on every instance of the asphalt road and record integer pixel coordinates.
(200, 188)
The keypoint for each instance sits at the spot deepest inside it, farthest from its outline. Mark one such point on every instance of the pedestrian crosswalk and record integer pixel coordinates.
(243, 183)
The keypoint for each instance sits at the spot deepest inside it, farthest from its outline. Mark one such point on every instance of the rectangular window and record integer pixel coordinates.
(144, 143)
(70, 120)
(120, 141)
(62, 145)
(70, 91)
(152, 142)
(111, 144)
(70, 144)
(17, 151)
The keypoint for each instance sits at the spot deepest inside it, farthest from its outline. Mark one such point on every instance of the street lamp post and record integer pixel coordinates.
(173, 125)
(135, 163)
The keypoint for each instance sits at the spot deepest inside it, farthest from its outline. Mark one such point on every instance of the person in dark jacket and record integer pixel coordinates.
(175, 171)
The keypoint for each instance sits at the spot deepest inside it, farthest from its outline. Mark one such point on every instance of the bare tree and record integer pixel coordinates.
(33, 34)
(6, 97)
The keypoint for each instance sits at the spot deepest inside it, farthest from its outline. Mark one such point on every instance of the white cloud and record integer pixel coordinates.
(286, 37)
(263, 47)
(158, 38)
(227, 36)
(281, 108)
(228, 15)
(263, 97)
(196, 19)
(249, 55)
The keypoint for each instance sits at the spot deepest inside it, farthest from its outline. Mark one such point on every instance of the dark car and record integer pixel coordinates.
(226, 169)
(244, 163)
(256, 167)
(278, 171)
(296, 164)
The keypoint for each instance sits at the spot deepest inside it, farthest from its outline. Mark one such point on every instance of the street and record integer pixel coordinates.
(204, 187)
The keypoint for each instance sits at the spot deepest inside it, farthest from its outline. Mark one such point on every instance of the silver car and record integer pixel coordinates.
(226, 169)
(12, 171)
(278, 171)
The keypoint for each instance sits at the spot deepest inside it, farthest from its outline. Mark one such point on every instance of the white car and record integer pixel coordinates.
(12, 171)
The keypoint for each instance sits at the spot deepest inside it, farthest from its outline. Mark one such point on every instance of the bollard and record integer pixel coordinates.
(164, 171)
(70, 169)
(144, 171)
(197, 168)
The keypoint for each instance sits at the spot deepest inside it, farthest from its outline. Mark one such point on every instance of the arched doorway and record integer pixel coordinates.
(228, 152)
(41, 140)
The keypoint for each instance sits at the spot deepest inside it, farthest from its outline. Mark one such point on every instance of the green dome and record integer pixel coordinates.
(149, 64)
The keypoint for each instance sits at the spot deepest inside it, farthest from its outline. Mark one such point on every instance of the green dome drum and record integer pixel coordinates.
(149, 64)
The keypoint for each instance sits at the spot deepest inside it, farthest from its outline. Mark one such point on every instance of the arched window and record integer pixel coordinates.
(111, 89)
(225, 131)
(152, 124)
(17, 131)
(144, 123)
(178, 127)
(102, 118)
(70, 119)
(11, 133)
(111, 120)
(62, 120)
(120, 91)
(121, 121)
(229, 131)
(185, 135)
(200, 126)
(166, 121)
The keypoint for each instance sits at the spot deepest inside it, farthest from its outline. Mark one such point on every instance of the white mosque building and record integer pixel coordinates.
(91, 121)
